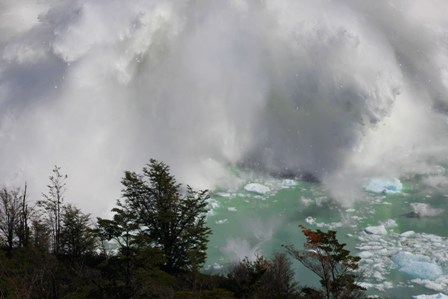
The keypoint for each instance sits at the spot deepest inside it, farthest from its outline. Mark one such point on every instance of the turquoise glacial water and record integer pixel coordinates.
(247, 223)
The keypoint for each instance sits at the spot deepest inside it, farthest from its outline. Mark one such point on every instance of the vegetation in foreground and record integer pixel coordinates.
(160, 236)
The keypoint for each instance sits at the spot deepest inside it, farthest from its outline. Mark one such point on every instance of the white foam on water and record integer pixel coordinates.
(425, 210)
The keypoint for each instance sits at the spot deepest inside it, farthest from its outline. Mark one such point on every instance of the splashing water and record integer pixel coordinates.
(341, 90)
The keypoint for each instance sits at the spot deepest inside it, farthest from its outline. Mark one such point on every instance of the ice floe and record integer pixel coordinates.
(257, 188)
(376, 230)
(416, 265)
(386, 186)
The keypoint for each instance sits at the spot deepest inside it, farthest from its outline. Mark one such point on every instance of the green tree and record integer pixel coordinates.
(77, 238)
(170, 218)
(326, 257)
(245, 277)
(278, 281)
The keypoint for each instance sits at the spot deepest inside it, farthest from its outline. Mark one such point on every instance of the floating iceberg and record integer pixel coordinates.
(417, 265)
(407, 234)
(287, 183)
(386, 186)
(376, 230)
(257, 188)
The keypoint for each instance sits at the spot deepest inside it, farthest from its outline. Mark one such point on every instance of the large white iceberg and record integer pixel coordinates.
(417, 265)
(257, 188)
(385, 186)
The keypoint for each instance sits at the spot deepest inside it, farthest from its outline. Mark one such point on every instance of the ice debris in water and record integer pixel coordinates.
(287, 183)
(221, 221)
(376, 230)
(386, 186)
(423, 256)
(416, 265)
(231, 209)
(310, 220)
(425, 210)
(435, 296)
(257, 188)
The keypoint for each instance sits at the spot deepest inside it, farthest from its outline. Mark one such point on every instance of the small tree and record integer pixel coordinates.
(326, 257)
(9, 214)
(245, 277)
(278, 281)
(53, 204)
(23, 229)
(77, 238)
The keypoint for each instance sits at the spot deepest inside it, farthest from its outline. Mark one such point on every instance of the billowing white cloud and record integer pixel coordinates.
(339, 89)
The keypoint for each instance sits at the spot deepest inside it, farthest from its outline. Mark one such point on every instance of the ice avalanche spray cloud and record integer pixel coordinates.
(340, 89)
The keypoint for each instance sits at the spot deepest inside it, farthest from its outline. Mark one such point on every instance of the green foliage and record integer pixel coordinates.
(158, 213)
(262, 278)
(278, 281)
(326, 257)
(77, 239)
(28, 273)
(245, 276)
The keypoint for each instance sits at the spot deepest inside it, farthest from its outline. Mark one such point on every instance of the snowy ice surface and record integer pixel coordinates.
(435, 296)
(425, 210)
(381, 185)
(257, 188)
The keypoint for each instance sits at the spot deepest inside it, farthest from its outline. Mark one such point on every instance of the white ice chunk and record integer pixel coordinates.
(390, 223)
(306, 201)
(435, 296)
(376, 230)
(425, 210)
(407, 234)
(366, 254)
(381, 185)
(257, 188)
(213, 204)
(310, 220)
(417, 265)
(221, 221)
(231, 209)
(287, 183)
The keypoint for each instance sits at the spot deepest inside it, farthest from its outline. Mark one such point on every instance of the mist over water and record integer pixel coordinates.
(343, 90)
